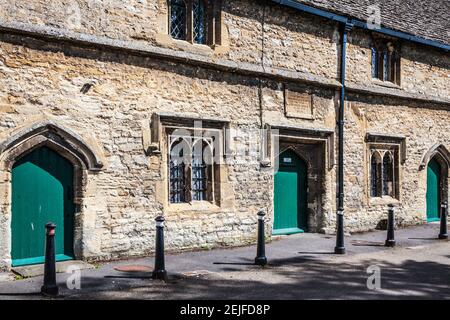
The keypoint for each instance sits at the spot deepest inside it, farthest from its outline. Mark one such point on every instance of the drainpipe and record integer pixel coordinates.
(340, 248)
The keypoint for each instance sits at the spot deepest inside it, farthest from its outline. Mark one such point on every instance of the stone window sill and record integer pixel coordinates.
(167, 41)
(385, 200)
(386, 84)
(195, 206)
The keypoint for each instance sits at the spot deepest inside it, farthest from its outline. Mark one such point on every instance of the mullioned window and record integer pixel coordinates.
(195, 21)
(385, 61)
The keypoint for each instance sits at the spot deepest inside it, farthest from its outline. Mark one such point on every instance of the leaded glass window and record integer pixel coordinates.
(374, 62)
(388, 174)
(375, 175)
(382, 173)
(201, 161)
(199, 180)
(385, 62)
(196, 21)
(177, 171)
(191, 162)
(199, 18)
(386, 65)
(177, 182)
(178, 18)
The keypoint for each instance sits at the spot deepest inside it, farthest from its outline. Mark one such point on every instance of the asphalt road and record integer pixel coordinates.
(301, 267)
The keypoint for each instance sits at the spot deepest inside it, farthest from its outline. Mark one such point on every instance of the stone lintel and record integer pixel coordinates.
(301, 134)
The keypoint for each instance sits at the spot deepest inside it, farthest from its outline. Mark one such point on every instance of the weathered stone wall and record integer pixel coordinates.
(422, 125)
(111, 18)
(120, 202)
(290, 40)
(423, 70)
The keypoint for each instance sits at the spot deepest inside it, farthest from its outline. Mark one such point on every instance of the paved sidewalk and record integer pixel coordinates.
(304, 251)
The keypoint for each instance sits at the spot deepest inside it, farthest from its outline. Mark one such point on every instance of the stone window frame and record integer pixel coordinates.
(191, 140)
(385, 53)
(380, 146)
(213, 23)
(155, 142)
(383, 176)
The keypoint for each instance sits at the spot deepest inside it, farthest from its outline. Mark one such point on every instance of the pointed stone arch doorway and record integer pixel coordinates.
(44, 169)
(437, 163)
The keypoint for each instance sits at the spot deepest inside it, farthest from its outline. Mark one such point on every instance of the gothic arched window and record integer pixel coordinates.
(386, 61)
(375, 174)
(179, 170)
(201, 170)
(178, 19)
(383, 172)
(191, 164)
(388, 174)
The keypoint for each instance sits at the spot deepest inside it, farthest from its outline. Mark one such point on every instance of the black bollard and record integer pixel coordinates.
(390, 241)
(50, 288)
(261, 259)
(444, 213)
(159, 272)
(340, 248)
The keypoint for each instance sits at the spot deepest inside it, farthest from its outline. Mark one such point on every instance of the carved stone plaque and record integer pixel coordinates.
(298, 104)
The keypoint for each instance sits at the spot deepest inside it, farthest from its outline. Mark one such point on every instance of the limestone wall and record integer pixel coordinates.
(256, 32)
(423, 70)
(122, 200)
(422, 125)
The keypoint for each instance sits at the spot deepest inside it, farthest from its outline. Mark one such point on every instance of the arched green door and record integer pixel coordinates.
(433, 190)
(42, 191)
(290, 195)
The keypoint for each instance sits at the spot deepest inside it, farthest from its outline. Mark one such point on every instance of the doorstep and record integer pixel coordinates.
(61, 267)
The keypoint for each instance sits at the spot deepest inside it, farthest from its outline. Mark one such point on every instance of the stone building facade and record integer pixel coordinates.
(104, 84)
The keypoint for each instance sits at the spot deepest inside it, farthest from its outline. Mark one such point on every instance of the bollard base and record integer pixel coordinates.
(260, 261)
(51, 291)
(389, 243)
(339, 250)
(443, 236)
(159, 275)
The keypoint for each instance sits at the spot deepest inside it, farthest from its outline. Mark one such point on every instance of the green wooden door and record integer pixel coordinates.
(42, 191)
(290, 195)
(433, 191)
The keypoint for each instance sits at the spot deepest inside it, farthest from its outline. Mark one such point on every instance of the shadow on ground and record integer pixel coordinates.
(316, 280)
